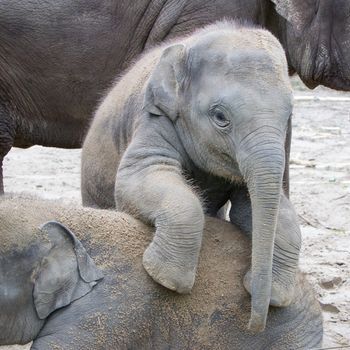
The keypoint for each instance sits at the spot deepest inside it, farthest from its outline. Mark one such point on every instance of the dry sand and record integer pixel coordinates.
(320, 191)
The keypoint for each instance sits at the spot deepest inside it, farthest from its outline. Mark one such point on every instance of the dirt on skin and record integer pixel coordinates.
(116, 243)
(320, 191)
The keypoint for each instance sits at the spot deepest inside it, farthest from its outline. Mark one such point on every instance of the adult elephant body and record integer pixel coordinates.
(126, 309)
(58, 57)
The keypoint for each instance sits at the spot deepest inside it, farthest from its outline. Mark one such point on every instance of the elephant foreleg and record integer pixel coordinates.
(160, 195)
(286, 247)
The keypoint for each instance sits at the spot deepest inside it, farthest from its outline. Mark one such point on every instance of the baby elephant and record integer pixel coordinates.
(193, 124)
(51, 290)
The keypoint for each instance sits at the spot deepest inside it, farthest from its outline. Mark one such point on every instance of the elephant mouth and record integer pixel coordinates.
(333, 81)
(228, 168)
(227, 158)
(329, 68)
(323, 62)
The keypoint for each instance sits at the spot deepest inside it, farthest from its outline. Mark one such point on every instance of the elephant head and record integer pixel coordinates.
(316, 38)
(229, 98)
(40, 272)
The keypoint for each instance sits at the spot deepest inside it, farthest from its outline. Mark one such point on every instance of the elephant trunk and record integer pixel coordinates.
(262, 166)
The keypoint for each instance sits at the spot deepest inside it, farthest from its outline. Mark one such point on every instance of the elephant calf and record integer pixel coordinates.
(51, 290)
(193, 124)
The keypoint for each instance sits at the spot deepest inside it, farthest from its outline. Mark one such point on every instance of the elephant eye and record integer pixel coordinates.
(219, 118)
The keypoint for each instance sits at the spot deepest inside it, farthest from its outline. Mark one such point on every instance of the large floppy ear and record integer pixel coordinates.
(297, 12)
(161, 96)
(67, 272)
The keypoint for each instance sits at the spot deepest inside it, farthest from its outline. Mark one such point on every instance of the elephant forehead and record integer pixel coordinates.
(243, 59)
(232, 39)
(238, 88)
(246, 63)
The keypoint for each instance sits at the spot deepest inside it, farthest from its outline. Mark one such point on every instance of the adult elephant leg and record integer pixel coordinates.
(7, 133)
(286, 246)
(160, 195)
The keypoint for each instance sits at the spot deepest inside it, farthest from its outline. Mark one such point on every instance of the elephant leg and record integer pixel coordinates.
(99, 162)
(241, 211)
(7, 134)
(286, 247)
(222, 212)
(161, 196)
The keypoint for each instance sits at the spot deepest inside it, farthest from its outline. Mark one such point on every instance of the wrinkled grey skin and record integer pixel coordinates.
(315, 36)
(58, 56)
(126, 309)
(210, 111)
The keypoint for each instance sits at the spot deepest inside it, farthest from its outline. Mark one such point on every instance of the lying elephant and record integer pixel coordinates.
(47, 290)
(58, 56)
(193, 124)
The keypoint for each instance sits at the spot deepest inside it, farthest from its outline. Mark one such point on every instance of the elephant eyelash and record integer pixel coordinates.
(216, 105)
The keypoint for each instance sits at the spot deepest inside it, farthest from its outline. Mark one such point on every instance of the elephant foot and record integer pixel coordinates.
(282, 293)
(167, 273)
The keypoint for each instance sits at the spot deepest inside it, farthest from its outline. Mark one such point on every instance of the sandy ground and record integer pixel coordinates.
(320, 191)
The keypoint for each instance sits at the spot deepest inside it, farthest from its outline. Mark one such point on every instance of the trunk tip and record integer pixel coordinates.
(257, 322)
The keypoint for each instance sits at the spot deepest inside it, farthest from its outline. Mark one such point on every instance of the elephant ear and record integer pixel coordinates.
(161, 96)
(67, 272)
(297, 12)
